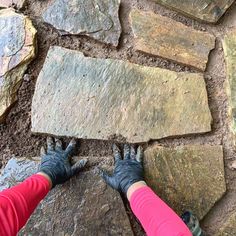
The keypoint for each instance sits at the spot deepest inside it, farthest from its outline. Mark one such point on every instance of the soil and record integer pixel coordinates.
(15, 135)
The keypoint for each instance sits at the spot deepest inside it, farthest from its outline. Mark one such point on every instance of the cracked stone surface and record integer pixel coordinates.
(164, 37)
(186, 177)
(8, 3)
(98, 19)
(229, 227)
(111, 99)
(82, 206)
(229, 45)
(205, 10)
(17, 49)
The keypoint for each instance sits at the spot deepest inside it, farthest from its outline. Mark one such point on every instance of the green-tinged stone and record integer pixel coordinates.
(186, 177)
(108, 99)
(85, 205)
(206, 10)
(164, 37)
(229, 45)
(8, 3)
(17, 49)
(229, 227)
(98, 19)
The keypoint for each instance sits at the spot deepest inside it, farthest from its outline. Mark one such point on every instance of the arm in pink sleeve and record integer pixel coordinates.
(156, 217)
(19, 202)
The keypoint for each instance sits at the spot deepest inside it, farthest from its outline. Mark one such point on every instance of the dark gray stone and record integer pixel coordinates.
(83, 206)
(96, 18)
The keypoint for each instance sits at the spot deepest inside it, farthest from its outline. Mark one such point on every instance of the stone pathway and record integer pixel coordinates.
(17, 49)
(109, 99)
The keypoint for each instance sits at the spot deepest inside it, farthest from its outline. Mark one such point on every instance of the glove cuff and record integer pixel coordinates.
(129, 183)
(50, 174)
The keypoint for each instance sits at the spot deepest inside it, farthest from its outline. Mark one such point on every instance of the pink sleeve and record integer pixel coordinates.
(156, 217)
(19, 202)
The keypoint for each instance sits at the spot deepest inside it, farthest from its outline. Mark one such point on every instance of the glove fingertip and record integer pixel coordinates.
(42, 151)
(78, 166)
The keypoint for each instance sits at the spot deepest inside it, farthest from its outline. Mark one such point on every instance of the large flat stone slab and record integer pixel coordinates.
(17, 49)
(98, 19)
(229, 45)
(205, 10)
(186, 177)
(110, 99)
(229, 226)
(82, 206)
(164, 37)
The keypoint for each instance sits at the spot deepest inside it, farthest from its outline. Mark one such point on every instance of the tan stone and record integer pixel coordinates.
(186, 177)
(17, 49)
(164, 37)
(205, 10)
(107, 99)
(229, 45)
(229, 227)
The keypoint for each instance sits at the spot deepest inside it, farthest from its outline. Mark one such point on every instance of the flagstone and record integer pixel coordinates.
(111, 99)
(186, 177)
(17, 49)
(82, 206)
(98, 19)
(205, 10)
(164, 37)
(229, 45)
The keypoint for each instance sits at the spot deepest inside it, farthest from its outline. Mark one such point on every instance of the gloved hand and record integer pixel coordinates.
(127, 171)
(55, 162)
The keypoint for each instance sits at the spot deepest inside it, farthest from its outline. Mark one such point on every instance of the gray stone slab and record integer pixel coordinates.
(83, 206)
(205, 10)
(98, 19)
(110, 99)
(187, 177)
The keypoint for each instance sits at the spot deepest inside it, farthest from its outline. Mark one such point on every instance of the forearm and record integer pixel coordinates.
(156, 217)
(19, 202)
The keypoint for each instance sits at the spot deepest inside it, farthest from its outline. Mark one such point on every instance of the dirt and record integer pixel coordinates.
(15, 135)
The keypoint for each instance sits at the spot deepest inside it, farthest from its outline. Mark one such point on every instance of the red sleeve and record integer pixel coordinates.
(155, 216)
(18, 203)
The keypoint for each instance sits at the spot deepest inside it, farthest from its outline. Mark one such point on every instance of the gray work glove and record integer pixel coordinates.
(55, 162)
(127, 171)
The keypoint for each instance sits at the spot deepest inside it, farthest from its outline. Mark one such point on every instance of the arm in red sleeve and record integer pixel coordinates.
(156, 217)
(19, 202)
